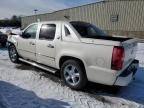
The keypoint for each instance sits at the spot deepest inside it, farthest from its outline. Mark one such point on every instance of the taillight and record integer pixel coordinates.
(117, 58)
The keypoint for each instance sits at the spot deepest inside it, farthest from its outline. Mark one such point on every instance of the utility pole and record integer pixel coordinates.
(35, 11)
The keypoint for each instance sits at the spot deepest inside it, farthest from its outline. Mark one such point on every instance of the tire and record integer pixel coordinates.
(13, 55)
(73, 74)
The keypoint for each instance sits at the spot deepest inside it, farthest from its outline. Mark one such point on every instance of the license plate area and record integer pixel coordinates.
(131, 69)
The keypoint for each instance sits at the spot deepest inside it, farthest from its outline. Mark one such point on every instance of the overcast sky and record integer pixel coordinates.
(26, 7)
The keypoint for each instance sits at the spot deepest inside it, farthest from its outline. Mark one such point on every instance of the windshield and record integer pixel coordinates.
(87, 30)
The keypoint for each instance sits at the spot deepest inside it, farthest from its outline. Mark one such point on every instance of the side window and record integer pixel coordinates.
(67, 32)
(47, 32)
(30, 32)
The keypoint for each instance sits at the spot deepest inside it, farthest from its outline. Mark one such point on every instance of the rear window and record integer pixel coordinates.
(87, 30)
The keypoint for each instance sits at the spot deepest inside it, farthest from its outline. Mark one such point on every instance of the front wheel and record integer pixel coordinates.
(73, 74)
(13, 55)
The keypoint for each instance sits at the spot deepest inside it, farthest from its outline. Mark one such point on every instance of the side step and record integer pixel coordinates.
(39, 65)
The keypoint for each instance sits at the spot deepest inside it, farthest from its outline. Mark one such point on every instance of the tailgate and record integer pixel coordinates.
(130, 47)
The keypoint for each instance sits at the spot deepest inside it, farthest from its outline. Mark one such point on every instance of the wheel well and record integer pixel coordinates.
(65, 58)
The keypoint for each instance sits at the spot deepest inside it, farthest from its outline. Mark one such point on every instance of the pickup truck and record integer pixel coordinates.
(81, 51)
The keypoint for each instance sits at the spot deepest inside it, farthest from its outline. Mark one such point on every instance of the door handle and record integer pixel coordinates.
(50, 46)
(32, 43)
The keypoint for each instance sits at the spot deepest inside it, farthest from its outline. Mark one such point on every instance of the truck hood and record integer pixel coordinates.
(13, 38)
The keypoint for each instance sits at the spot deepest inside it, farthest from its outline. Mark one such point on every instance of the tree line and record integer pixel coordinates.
(14, 21)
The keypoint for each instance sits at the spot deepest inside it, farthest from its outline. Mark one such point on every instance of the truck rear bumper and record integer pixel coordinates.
(127, 75)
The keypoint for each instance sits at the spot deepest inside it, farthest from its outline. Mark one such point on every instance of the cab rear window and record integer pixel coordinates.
(87, 30)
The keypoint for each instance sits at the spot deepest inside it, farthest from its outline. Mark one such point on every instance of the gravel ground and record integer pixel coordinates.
(24, 86)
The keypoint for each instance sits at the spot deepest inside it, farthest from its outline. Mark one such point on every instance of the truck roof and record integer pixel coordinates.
(50, 22)
(59, 21)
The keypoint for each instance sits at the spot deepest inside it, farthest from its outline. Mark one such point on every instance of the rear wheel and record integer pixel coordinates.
(73, 74)
(13, 55)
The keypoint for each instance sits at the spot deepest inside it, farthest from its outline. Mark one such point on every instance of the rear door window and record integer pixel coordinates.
(47, 32)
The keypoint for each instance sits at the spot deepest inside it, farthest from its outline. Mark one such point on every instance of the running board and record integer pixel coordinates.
(39, 65)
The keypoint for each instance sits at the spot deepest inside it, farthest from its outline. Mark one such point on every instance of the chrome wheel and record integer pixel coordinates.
(13, 53)
(71, 75)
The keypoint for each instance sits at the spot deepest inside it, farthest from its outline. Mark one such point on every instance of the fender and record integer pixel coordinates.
(12, 39)
(70, 54)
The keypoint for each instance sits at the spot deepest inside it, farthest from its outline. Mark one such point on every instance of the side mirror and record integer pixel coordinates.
(20, 34)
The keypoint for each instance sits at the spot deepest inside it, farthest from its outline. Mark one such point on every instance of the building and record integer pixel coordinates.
(121, 17)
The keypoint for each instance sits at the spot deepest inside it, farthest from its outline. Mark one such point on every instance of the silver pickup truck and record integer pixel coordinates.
(81, 51)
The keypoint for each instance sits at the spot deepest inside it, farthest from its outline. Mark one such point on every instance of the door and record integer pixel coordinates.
(27, 43)
(45, 49)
